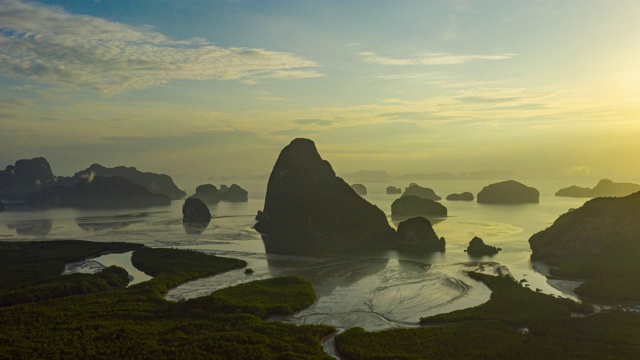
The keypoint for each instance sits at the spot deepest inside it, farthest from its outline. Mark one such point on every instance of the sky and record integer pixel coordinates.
(204, 88)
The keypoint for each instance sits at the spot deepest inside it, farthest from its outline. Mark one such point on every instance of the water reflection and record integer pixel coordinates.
(195, 228)
(396, 220)
(111, 222)
(40, 227)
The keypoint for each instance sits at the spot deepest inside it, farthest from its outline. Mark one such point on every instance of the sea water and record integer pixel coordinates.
(374, 290)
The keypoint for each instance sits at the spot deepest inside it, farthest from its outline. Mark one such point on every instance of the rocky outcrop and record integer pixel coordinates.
(359, 189)
(308, 209)
(195, 210)
(508, 192)
(599, 228)
(465, 196)
(417, 206)
(416, 190)
(155, 183)
(604, 188)
(26, 176)
(418, 234)
(233, 193)
(392, 190)
(207, 193)
(477, 247)
(98, 192)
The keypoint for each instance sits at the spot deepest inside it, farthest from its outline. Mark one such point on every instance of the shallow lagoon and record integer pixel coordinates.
(373, 290)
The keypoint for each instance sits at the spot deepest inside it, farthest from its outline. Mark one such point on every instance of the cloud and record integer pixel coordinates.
(318, 122)
(47, 44)
(429, 59)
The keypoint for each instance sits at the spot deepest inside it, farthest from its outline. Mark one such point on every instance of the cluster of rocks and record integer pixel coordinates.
(210, 194)
(309, 210)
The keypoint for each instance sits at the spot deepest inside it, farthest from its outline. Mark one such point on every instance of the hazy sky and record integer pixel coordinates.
(201, 88)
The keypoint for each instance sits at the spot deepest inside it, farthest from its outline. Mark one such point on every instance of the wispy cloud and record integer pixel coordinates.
(47, 44)
(429, 59)
(318, 122)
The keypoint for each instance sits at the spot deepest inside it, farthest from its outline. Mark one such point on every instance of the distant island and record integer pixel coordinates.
(508, 192)
(412, 205)
(155, 183)
(605, 187)
(367, 176)
(98, 192)
(465, 196)
(474, 175)
(26, 176)
(18, 182)
(421, 192)
(392, 190)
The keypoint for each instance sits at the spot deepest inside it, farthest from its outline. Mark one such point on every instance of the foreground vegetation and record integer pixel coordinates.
(516, 323)
(136, 322)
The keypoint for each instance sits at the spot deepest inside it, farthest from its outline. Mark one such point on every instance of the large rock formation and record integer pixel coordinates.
(508, 192)
(155, 183)
(417, 206)
(233, 193)
(416, 190)
(308, 209)
(195, 210)
(599, 227)
(359, 189)
(392, 190)
(418, 234)
(19, 180)
(207, 193)
(465, 196)
(604, 188)
(477, 247)
(98, 192)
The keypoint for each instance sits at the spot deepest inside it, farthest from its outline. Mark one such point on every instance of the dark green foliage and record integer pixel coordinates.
(474, 340)
(277, 296)
(483, 332)
(137, 322)
(67, 285)
(509, 303)
(618, 288)
(28, 263)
